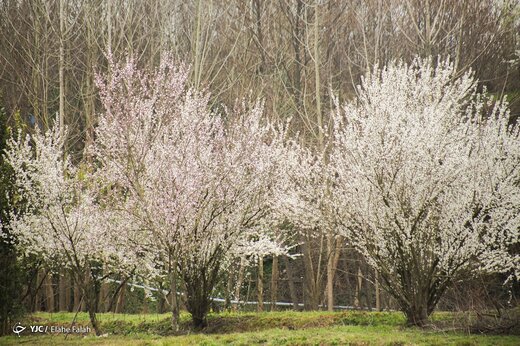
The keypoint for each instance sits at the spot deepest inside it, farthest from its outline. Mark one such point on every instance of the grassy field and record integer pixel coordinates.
(270, 328)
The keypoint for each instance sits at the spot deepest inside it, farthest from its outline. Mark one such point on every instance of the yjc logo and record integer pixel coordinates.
(18, 328)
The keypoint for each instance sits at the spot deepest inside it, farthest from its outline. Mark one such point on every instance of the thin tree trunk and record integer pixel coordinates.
(309, 278)
(182, 299)
(113, 300)
(330, 272)
(89, 95)
(260, 285)
(312, 276)
(274, 283)
(378, 293)
(37, 292)
(84, 301)
(197, 59)
(62, 291)
(238, 286)
(317, 80)
(89, 294)
(49, 293)
(145, 305)
(161, 304)
(229, 288)
(103, 297)
(459, 43)
(68, 290)
(61, 69)
(120, 305)
(174, 300)
(290, 280)
(109, 27)
(359, 283)
(332, 265)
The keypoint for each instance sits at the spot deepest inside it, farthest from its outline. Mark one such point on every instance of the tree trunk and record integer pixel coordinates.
(274, 283)
(145, 305)
(198, 288)
(90, 303)
(312, 277)
(112, 302)
(260, 285)
(161, 305)
(197, 58)
(83, 304)
(37, 293)
(49, 293)
(89, 292)
(378, 292)
(61, 69)
(238, 286)
(290, 280)
(229, 288)
(317, 79)
(182, 299)
(198, 317)
(174, 300)
(120, 304)
(417, 315)
(77, 298)
(62, 291)
(359, 285)
(332, 265)
(68, 290)
(103, 297)
(330, 272)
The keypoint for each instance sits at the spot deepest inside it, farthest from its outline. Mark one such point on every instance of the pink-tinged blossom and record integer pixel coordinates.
(196, 186)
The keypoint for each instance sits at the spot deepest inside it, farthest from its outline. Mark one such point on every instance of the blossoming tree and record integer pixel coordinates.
(427, 174)
(195, 182)
(62, 223)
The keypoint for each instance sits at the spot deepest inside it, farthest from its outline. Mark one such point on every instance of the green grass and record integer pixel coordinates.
(269, 328)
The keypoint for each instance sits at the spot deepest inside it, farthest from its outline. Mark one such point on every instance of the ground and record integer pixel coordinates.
(269, 328)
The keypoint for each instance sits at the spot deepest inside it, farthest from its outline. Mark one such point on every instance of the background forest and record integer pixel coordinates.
(301, 58)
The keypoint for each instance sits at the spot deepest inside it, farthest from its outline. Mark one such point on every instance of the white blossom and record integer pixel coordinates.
(427, 176)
